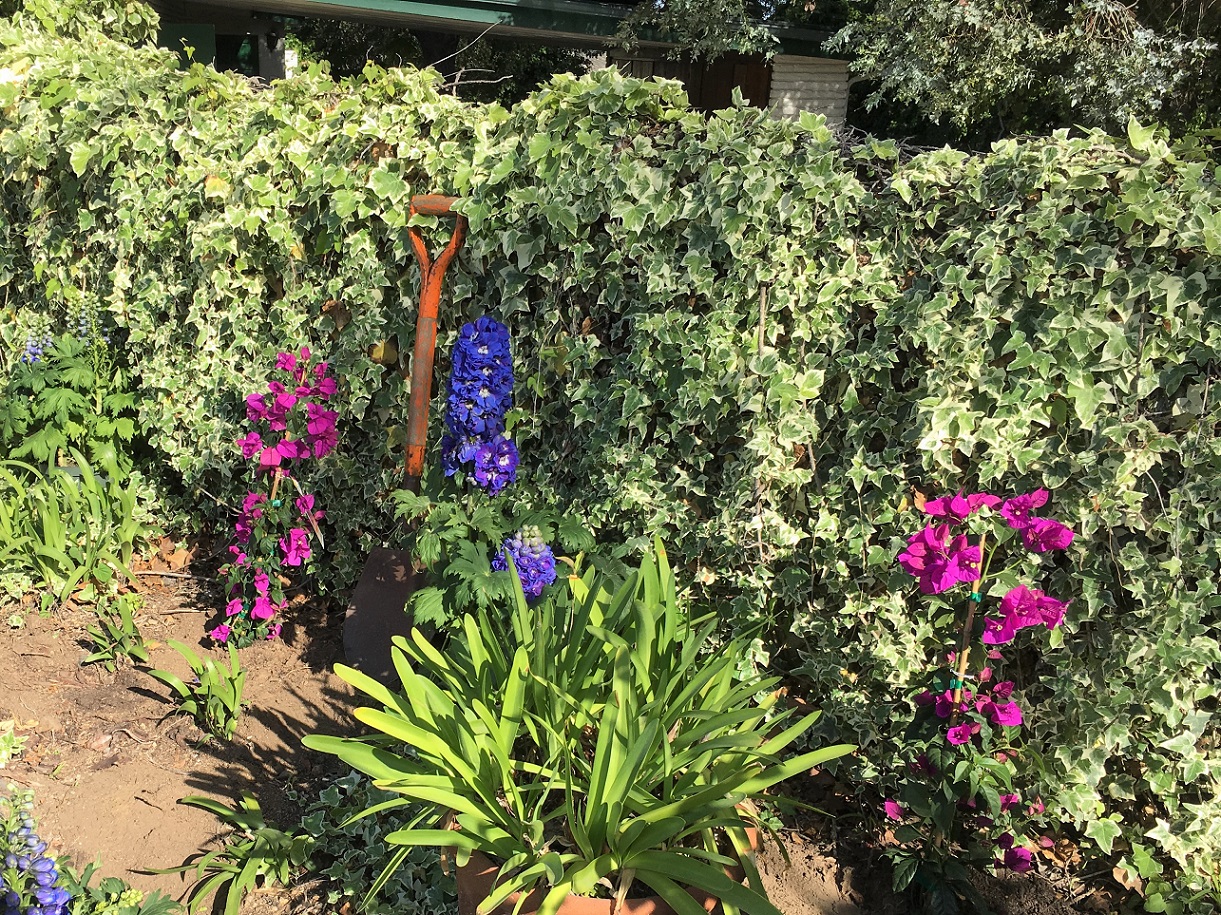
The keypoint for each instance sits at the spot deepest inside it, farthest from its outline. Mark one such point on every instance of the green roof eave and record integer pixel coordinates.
(572, 19)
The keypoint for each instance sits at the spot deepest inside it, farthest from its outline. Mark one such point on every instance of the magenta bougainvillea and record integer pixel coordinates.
(278, 523)
(958, 795)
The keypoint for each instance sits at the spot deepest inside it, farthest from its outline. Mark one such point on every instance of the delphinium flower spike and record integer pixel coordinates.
(533, 559)
(480, 395)
(28, 875)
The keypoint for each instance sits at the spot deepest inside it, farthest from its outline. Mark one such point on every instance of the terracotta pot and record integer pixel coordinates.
(477, 878)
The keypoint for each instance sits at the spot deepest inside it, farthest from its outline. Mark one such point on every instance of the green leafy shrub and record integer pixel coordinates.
(456, 536)
(733, 330)
(72, 395)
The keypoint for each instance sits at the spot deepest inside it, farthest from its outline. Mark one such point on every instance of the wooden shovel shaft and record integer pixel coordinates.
(432, 273)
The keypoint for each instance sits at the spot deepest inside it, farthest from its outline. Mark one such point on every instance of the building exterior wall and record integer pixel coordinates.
(814, 84)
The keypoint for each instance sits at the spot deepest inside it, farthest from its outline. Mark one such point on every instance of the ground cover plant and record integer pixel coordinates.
(741, 333)
(352, 853)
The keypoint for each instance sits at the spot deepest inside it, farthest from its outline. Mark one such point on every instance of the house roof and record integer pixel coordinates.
(580, 22)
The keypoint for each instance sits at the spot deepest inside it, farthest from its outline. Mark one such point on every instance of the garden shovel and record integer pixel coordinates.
(378, 607)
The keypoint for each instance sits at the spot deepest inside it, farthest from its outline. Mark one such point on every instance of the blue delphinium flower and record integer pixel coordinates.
(496, 464)
(533, 559)
(480, 395)
(34, 349)
(29, 876)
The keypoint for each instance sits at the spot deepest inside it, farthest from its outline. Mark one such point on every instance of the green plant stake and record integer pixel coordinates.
(215, 701)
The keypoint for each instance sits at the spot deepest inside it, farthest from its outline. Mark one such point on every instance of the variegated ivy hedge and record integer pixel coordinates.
(732, 331)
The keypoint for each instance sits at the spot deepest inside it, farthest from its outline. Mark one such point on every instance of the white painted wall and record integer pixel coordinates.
(814, 84)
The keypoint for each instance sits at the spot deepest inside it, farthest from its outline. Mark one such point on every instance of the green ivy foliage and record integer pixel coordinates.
(733, 331)
(220, 223)
(130, 21)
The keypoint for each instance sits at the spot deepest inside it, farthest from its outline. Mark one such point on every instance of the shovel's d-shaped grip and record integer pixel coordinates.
(432, 273)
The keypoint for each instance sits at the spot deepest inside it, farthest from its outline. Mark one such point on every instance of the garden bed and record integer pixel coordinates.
(108, 764)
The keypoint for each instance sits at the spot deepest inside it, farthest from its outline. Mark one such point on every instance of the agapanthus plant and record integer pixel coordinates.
(29, 877)
(278, 524)
(959, 798)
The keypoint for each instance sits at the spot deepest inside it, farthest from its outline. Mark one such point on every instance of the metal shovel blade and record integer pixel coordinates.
(378, 611)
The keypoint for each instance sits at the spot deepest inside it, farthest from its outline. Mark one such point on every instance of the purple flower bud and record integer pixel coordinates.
(533, 559)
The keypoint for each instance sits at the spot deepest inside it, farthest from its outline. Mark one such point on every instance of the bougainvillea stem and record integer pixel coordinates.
(964, 641)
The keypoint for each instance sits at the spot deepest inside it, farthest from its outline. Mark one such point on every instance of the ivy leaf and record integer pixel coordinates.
(1140, 137)
(215, 187)
(389, 185)
(1104, 832)
(1086, 397)
(79, 155)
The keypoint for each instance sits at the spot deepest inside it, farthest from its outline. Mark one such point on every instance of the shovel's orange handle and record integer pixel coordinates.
(431, 275)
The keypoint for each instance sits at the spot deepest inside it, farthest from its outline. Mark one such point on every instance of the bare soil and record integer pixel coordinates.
(108, 760)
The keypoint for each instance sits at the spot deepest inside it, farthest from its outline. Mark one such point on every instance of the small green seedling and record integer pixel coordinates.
(215, 698)
(116, 636)
(255, 851)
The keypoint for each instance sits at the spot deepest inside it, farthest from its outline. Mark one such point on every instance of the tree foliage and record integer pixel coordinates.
(486, 69)
(703, 29)
(1001, 67)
